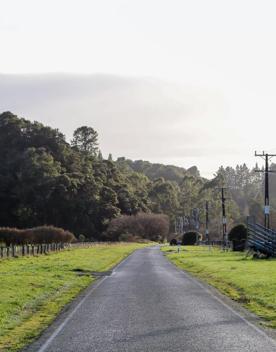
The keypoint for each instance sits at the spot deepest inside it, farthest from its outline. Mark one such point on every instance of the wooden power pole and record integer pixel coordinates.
(267, 157)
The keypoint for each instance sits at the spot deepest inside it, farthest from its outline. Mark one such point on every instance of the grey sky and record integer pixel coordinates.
(135, 117)
(174, 81)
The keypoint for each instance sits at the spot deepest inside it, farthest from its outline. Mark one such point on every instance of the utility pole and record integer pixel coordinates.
(267, 157)
(195, 218)
(224, 221)
(207, 221)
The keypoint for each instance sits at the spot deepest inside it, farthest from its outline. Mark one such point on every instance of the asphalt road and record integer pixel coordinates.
(148, 305)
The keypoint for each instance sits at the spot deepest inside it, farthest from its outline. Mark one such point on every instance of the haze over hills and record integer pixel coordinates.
(136, 117)
(154, 170)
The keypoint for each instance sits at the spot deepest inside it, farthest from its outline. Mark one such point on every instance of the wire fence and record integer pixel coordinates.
(15, 251)
(217, 243)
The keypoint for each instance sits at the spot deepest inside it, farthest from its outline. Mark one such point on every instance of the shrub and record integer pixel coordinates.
(82, 238)
(191, 238)
(68, 237)
(36, 235)
(238, 236)
(49, 234)
(173, 242)
(9, 235)
(154, 227)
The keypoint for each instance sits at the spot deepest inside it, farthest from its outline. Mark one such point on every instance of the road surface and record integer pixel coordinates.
(148, 305)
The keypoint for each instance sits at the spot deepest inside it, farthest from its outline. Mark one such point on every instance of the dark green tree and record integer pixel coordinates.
(85, 139)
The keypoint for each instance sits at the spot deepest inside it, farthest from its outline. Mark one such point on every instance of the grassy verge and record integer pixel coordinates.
(248, 281)
(34, 290)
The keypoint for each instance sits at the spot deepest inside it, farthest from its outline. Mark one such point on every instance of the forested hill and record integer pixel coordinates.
(154, 170)
(44, 179)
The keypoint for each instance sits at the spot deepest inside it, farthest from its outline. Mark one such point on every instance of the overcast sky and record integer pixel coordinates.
(173, 81)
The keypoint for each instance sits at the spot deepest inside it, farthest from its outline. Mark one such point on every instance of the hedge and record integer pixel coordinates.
(191, 238)
(173, 242)
(153, 227)
(238, 236)
(36, 235)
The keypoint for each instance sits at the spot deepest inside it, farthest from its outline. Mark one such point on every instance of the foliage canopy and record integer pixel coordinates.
(46, 180)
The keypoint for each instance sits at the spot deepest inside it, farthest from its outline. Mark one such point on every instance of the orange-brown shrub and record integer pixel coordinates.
(154, 227)
(36, 235)
(9, 235)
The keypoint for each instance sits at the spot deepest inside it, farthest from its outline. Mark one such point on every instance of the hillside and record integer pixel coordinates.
(44, 179)
(154, 170)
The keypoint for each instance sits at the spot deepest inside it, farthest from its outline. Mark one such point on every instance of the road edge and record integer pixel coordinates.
(43, 340)
(246, 315)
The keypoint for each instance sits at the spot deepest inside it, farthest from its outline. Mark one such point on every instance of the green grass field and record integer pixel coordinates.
(251, 282)
(34, 290)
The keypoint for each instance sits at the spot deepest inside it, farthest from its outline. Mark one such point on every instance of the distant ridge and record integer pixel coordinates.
(156, 170)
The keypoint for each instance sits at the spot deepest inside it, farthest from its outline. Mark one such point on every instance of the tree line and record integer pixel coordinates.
(44, 179)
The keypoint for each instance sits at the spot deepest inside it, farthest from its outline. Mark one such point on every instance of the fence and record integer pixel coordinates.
(38, 249)
(215, 243)
(261, 239)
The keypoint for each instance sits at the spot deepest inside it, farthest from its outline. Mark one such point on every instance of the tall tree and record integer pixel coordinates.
(85, 139)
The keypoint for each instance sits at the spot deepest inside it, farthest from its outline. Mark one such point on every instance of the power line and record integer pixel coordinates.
(267, 157)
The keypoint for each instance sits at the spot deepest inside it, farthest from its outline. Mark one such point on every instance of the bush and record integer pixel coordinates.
(82, 238)
(36, 235)
(173, 242)
(9, 235)
(238, 236)
(49, 234)
(191, 238)
(153, 227)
